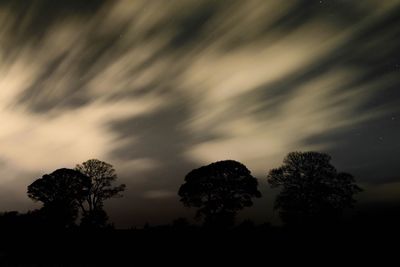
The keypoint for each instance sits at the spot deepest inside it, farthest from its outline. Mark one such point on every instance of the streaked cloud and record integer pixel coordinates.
(158, 88)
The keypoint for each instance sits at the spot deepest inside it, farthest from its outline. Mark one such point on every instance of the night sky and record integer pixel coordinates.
(158, 88)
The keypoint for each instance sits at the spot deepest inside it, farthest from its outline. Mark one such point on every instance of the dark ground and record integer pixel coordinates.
(245, 245)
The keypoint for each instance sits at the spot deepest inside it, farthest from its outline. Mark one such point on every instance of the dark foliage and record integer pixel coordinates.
(60, 192)
(219, 191)
(313, 192)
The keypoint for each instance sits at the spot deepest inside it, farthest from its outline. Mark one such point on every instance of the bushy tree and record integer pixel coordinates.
(60, 192)
(219, 191)
(312, 191)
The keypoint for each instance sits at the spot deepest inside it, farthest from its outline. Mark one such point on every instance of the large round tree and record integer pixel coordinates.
(312, 191)
(219, 191)
(60, 192)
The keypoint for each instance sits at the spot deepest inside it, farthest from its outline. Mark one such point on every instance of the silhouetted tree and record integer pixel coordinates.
(60, 192)
(313, 192)
(219, 191)
(102, 176)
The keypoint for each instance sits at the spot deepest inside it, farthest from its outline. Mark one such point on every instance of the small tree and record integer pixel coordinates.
(219, 191)
(313, 192)
(102, 176)
(60, 192)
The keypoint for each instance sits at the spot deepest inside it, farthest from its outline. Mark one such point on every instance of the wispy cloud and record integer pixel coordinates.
(158, 87)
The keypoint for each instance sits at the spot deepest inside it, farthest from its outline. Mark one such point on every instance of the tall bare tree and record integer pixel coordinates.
(102, 176)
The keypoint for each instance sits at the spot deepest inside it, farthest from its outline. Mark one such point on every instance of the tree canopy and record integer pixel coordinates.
(312, 189)
(219, 190)
(60, 192)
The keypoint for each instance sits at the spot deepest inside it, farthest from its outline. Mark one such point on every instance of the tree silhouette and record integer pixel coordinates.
(219, 191)
(102, 176)
(60, 192)
(313, 192)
